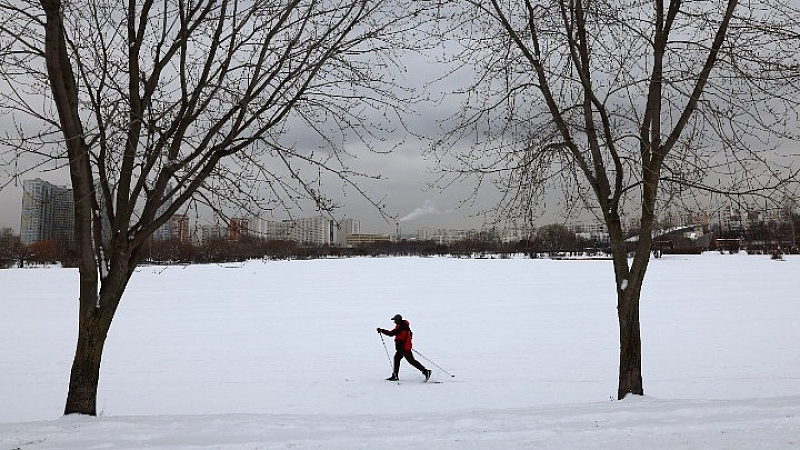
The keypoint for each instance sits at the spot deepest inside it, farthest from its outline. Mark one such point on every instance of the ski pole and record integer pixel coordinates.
(387, 351)
(439, 367)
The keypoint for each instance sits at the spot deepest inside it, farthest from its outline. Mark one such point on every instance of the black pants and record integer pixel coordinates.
(400, 354)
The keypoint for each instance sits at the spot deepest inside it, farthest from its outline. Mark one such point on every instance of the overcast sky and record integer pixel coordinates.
(405, 192)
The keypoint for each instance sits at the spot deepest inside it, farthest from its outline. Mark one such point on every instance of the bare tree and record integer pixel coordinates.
(154, 105)
(555, 238)
(625, 106)
(11, 249)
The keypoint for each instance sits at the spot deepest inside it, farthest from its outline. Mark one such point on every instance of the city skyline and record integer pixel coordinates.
(417, 207)
(46, 214)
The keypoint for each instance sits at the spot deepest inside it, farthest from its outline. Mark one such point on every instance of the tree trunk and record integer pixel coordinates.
(93, 325)
(85, 374)
(629, 282)
(93, 321)
(630, 343)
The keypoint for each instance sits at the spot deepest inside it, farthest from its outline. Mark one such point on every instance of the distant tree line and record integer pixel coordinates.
(547, 239)
(767, 237)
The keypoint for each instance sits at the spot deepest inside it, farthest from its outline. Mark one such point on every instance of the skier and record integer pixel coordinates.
(402, 343)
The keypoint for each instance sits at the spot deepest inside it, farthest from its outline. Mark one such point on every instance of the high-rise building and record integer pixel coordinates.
(270, 230)
(48, 213)
(313, 230)
(347, 227)
(179, 227)
(164, 232)
(447, 236)
(204, 233)
(63, 217)
(594, 231)
(37, 211)
(237, 227)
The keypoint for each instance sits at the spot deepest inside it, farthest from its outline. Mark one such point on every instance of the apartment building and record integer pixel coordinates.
(347, 228)
(312, 230)
(48, 213)
(448, 236)
(179, 227)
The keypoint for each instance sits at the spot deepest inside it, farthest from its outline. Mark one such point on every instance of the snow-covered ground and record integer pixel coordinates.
(285, 355)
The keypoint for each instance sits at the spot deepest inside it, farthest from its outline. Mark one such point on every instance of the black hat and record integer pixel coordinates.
(397, 317)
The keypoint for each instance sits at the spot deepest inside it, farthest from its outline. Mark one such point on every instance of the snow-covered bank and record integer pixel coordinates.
(281, 354)
(643, 424)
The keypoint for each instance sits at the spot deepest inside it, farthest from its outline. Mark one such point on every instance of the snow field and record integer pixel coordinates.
(283, 354)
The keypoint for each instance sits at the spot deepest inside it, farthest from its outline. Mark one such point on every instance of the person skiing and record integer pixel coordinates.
(402, 343)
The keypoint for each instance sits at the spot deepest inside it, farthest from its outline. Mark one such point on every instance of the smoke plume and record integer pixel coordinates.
(426, 209)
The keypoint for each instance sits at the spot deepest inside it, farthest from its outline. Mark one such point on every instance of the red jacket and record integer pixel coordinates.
(402, 336)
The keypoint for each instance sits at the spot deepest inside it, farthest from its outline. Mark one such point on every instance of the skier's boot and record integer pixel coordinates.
(392, 378)
(427, 373)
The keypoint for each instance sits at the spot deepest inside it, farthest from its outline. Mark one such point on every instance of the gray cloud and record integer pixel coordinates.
(406, 192)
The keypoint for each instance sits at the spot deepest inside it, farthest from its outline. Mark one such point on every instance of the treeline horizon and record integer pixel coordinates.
(769, 237)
